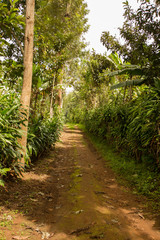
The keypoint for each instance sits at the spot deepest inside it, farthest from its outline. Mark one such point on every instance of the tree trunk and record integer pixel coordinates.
(59, 97)
(51, 103)
(27, 75)
(58, 100)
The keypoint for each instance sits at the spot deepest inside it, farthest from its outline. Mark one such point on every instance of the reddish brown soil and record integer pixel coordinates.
(71, 194)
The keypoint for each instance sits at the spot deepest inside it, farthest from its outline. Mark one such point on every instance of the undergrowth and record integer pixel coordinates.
(43, 132)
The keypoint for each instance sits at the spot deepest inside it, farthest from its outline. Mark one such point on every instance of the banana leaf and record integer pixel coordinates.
(129, 83)
(129, 70)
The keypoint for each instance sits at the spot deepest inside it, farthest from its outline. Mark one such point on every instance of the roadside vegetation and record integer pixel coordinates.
(31, 95)
(142, 178)
(117, 99)
(116, 95)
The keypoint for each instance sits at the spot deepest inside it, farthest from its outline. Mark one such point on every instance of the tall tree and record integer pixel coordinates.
(58, 38)
(28, 64)
(141, 35)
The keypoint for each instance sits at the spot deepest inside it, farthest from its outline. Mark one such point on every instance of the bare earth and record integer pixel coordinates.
(71, 194)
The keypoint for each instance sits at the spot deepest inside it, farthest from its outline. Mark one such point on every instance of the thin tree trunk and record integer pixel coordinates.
(18, 42)
(51, 103)
(59, 99)
(60, 94)
(27, 75)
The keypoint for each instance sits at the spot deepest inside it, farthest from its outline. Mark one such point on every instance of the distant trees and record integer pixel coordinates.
(58, 30)
(58, 39)
(107, 99)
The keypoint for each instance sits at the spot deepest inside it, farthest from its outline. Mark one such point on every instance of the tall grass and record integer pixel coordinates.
(133, 126)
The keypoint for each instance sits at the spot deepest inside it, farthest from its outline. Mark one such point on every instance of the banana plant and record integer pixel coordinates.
(130, 71)
(136, 74)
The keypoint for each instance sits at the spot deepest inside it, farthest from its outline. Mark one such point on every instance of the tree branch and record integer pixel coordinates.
(18, 42)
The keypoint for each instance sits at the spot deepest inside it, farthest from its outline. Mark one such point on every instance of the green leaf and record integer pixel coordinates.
(128, 83)
(1, 183)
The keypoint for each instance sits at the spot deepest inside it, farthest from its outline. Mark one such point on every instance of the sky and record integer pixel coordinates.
(105, 15)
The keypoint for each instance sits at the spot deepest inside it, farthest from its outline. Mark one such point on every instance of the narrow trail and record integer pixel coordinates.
(71, 194)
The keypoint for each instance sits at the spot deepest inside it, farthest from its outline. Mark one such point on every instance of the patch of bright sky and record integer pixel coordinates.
(104, 15)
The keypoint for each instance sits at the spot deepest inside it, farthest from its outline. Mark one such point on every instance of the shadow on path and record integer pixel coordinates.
(70, 193)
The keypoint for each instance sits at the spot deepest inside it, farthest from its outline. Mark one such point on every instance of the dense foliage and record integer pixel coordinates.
(10, 120)
(42, 134)
(57, 43)
(141, 35)
(117, 97)
(133, 126)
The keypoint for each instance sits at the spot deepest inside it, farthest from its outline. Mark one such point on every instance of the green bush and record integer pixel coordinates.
(143, 131)
(42, 135)
(10, 120)
(133, 126)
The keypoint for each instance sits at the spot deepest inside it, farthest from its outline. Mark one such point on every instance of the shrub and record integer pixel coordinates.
(42, 135)
(133, 125)
(10, 120)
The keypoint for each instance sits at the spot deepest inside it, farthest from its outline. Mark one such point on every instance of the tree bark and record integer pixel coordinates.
(52, 93)
(27, 75)
(59, 100)
(59, 95)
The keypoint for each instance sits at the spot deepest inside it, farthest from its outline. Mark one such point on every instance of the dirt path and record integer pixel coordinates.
(72, 195)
